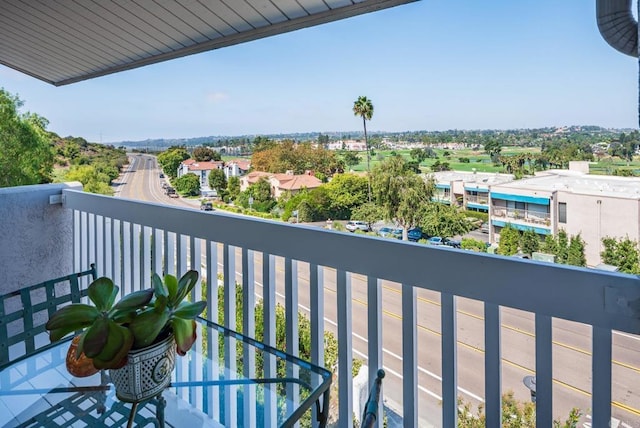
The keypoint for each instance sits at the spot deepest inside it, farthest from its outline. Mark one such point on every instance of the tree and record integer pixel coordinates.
(26, 154)
(493, 149)
(261, 194)
(473, 245)
(205, 154)
(443, 220)
(233, 187)
(529, 242)
(568, 250)
(299, 158)
(93, 181)
(562, 245)
(351, 158)
(622, 253)
(218, 181)
(575, 253)
(509, 240)
(549, 246)
(188, 184)
(345, 192)
(368, 212)
(171, 159)
(402, 194)
(418, 154)
(364, 108)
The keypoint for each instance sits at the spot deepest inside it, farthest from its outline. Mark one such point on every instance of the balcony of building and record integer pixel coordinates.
(442, 194)
(477, 200)
(522, 218)
(444, 323)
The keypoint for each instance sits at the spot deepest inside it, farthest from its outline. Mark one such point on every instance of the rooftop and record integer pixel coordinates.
(580, 183)
(486, 178)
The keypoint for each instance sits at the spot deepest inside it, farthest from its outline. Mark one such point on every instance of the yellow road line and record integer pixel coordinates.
(518, 330)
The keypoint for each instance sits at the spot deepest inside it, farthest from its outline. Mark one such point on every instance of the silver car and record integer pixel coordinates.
(354, 225)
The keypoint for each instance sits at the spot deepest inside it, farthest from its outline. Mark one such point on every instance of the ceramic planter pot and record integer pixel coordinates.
(147, 372)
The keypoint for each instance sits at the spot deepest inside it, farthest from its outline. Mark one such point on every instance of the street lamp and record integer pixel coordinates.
(530, 382)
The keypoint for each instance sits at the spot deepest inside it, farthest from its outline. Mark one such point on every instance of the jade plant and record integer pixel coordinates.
(109, 331)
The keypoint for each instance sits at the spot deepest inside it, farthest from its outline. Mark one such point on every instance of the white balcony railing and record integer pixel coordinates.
(523, 216)
(409, 303)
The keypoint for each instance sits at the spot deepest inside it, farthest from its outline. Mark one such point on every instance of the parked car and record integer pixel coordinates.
(454, 243)
(435, 240)
(414, 234)
(484, 228)
(161, 175)
(354, 225)
(171, 192)
(387, 232)
(206, 206)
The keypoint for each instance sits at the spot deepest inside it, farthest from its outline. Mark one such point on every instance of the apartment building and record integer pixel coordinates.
(467, 189)
(593, 206)
(282, 182)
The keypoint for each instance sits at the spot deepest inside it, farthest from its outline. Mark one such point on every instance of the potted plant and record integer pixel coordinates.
(120, 336)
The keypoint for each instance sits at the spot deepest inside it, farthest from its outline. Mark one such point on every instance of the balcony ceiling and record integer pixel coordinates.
(67, 41)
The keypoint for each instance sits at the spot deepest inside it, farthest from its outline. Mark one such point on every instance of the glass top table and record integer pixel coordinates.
(226, 380)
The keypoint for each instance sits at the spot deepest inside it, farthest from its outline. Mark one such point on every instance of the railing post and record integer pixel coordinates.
(316, 298)
(492, 366)
(409, 358)
(601, 382)
(269, 305)
(345, 349)
(292, 334)
(212, 314)
(374, 336)
(544, 372)
(449, 361)
(249, 329)
(230, 391)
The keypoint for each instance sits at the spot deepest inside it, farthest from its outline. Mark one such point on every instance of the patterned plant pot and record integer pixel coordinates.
(147, 372)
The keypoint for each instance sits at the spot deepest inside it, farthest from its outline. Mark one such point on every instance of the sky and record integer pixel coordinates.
(431, 65)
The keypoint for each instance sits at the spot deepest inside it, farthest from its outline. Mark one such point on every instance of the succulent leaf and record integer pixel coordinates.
(185, 285)
(159, 287)
(171, 282)
(59, 333)
(188, 310)
(96, 337)
(119, 340)
(185, 334)
(135, 300)
(75, 317)
(147, 325)
(123, 316)
(102, 293)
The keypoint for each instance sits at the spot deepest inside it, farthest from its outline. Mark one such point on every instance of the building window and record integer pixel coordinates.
(562, 212)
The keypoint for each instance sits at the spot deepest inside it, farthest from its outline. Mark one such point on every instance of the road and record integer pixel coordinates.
(571, 347)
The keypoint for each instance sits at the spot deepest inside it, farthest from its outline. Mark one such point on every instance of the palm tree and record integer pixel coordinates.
(364, 108)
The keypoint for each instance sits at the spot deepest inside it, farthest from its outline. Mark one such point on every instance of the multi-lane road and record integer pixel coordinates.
(571, 347)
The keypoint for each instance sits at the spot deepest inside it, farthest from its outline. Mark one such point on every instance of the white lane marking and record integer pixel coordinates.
(626, 335)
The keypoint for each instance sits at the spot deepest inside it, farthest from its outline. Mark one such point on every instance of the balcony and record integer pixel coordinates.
(537, 219)
(444, 323)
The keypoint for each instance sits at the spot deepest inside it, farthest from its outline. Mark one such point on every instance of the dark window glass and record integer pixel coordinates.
(562, 212)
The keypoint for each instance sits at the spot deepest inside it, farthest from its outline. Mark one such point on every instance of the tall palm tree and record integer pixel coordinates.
(364, 108)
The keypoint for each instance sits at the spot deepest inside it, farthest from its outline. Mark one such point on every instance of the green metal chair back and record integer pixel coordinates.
(24, 313)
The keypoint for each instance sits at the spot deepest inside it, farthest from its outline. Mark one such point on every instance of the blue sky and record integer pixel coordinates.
(433, 64)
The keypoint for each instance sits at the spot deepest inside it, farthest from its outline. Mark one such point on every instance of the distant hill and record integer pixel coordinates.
(410, 136)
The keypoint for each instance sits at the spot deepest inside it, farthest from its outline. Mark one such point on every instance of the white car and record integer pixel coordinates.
(354, 225)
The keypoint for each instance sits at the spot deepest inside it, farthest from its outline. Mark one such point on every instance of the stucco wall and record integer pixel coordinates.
(36, 238)
(598, 216)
